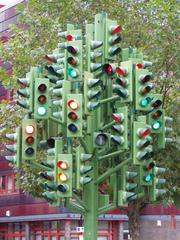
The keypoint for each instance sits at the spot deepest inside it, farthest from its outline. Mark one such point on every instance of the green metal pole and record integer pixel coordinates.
(90, 197)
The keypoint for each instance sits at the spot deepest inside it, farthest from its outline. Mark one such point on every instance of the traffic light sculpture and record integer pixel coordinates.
(106, 122)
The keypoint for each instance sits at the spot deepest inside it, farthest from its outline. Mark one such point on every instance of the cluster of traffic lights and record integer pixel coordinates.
(29, 130)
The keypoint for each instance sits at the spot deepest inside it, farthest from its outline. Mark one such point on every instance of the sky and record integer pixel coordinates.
(6, 2)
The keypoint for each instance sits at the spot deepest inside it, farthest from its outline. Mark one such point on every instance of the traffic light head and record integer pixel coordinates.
(74, 115)
(41, 98)
(142, 149)
(112, 39)
(15, 148)
(74, 60)
(155, 117)
(123, 86)
(29, 139)
(64, 175)
(143, 86)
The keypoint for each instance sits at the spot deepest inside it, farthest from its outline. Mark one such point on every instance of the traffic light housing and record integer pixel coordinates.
(64, 175)
(83, 167)
(143, 87)
(146, 173)
(92, 92)
(142, 148)
(124, 81)
(155, 117)
(15, 148)
(29, 139)
(162, 138)
(74, 115)
(128, 186)
(156, 190)
(59, 92)
(112, 39)
(120, 128)
(41, 98)
(101, 140)
(26, 91)
(74, 60)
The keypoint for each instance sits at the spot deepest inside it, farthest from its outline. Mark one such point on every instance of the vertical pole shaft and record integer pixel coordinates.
(90, 198)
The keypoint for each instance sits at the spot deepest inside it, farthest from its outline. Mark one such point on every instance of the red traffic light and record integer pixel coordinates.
(118, 117)
(42, 99)
(157, 114)
(109, 69)
(49, 59)
(62, 165)
(115, 29)
(73, 50)
(29, 129)
(150, 166)
(72, 61)
(144, 132)
(29, 140)
(122, 71)
(156, 103)
(73, 116)
(145, 78)
(69, 38)
(73, 104)
(42, 87)
(139, 65)
(145, 90)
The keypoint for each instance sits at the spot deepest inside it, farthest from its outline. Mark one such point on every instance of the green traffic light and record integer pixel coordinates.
(157, 125)
(145, 101)
(148, 178)
(72, 73)
(41, 110)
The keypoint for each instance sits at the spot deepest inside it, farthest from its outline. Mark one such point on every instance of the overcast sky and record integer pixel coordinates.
(6, 2)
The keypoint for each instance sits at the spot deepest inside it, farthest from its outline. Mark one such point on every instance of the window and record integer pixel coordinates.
(7, 184)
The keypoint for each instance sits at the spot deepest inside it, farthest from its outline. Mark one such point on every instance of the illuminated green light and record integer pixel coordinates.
(41, 111)
(148, 178)
(156, 125)
(72, 73)
(145, 101)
